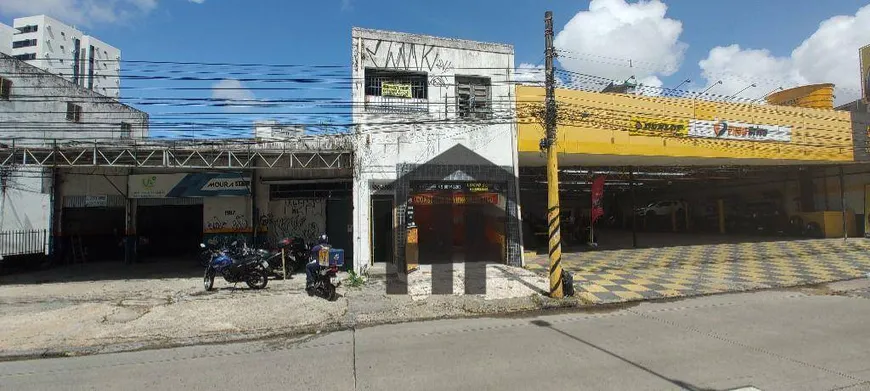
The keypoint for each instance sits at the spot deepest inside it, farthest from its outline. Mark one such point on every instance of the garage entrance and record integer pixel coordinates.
(169, 232)
(93, 229)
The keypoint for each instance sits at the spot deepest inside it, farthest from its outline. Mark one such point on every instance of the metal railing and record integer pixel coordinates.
(23, 242)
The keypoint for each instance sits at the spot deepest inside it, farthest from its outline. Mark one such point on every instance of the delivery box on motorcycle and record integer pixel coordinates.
(328, 256)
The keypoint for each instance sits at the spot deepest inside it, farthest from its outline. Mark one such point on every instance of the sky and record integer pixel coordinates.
(771, 43)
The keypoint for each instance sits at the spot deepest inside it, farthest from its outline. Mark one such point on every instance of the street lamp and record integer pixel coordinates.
(744, 89)
(771, 92)
(680, 85)
(711, 86)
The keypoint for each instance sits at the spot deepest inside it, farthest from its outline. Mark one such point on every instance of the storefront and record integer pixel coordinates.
(175, 212)
(456, 221)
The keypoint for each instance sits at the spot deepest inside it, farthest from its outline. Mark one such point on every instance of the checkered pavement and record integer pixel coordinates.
(602, 276)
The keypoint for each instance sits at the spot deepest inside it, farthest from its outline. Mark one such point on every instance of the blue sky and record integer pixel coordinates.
(318, 33)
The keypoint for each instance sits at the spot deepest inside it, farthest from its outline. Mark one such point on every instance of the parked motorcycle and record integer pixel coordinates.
(295, 253)
(325, 281)
(235, 268)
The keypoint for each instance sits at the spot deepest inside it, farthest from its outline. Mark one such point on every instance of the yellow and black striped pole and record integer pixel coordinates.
(553, 213)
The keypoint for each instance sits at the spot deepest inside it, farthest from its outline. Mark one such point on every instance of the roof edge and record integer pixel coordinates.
(455, 43)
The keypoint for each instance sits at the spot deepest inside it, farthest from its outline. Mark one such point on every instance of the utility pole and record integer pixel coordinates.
(553, 212)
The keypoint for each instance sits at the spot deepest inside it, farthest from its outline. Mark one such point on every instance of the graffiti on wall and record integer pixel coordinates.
(225, 240)
(305, 218)
(404, 55)
(226, 215)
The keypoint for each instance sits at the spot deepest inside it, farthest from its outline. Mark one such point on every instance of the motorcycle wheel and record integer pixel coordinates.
(208, 279)
(328, 292)
(257, 279)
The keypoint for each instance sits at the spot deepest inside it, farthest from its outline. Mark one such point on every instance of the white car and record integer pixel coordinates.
(661, 208)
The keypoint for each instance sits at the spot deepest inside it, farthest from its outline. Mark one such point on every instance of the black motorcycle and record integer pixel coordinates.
(235, 267)
(295, 254)
(325, 281)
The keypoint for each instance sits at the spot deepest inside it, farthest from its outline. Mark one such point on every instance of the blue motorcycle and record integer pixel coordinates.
(236, 266)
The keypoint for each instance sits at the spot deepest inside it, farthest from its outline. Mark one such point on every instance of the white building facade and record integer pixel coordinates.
(275, 131)
(67, 52)
(6, 33)
(430, 112)
(40, 109)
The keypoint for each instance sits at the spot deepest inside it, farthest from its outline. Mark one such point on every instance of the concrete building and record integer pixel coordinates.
(432, 114)
(37, 109)
(6, 33)
(274, 131)
(67, 52)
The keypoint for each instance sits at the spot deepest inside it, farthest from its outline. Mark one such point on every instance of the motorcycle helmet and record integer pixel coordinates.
(323, 239)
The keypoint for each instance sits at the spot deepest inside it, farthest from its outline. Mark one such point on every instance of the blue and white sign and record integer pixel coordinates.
(188, 185)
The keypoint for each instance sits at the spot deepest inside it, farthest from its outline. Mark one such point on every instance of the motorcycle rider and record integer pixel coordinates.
(313, 266)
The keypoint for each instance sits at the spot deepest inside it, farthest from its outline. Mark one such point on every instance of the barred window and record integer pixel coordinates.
(400, 84)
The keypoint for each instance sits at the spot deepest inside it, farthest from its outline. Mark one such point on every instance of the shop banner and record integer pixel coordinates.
(188, 185)
(732, 130)
(597, 194)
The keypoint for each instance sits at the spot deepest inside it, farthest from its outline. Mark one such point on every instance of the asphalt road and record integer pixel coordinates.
(769, 340)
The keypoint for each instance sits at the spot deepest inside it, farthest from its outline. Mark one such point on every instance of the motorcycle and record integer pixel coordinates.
(295, 253)
(325, 281)
(235, 267)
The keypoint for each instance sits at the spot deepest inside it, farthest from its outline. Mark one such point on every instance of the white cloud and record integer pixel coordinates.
(829, 55)
(346, 5)
(80, 12)
(529, 74)
(197, 1)
(232, 92)
(602, 40)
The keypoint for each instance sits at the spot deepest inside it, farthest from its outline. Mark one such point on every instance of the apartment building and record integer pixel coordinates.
(65, 51)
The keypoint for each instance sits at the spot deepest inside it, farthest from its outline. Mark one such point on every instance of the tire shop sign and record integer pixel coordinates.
(658, 127)
(733, 130)
(188, 185)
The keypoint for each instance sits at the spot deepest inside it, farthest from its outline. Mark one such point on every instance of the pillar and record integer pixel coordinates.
(633, 207)
(721, 207)
(843, 203)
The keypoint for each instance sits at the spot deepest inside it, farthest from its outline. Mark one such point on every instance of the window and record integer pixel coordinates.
(25, 57)
(310, 190)
(73, 112)
(5, 88)
(126, 130)
(23, 43)
(28, 29)
(398, 84)
(472, 97)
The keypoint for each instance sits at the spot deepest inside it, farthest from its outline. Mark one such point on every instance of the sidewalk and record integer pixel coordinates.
(100, 308)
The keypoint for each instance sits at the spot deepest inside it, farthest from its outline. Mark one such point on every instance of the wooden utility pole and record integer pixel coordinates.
(553, 212)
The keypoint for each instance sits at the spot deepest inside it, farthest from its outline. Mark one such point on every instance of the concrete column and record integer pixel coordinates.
(721, 207)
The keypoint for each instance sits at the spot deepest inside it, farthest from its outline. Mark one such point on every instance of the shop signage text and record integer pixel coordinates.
(659, 126)
(455, 199)
(99, 201)
(468, 187)
(188, 185)
(396, 89)
(732, 130)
